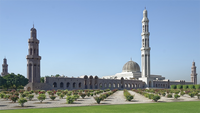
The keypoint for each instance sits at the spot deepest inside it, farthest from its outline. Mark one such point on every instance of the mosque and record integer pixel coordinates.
(131, 77)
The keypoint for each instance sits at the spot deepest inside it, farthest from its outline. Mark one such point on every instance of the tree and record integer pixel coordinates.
(42, 80)
(14, 80)
(22, 79)
(9, 80)
(57, 75)
(2, 81)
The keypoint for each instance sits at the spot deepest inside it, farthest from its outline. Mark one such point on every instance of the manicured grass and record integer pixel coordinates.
(169, 107)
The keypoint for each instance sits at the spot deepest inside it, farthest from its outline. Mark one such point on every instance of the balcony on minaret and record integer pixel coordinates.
(33, 57)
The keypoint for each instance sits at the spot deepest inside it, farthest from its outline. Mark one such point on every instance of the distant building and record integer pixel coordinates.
(194, 74)
(130, 77)
(4, 68)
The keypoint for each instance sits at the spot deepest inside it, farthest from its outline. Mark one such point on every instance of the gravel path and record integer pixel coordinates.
(116, 98)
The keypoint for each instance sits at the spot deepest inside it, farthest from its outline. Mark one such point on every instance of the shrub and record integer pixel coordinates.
(23, 95)
(2, 95)
(21, 101)
(163, 93)
(7, 96)
(98, 99)
(69, 93)
(173, 86)
(70, 99)
(179, 86)
(49, 92)
(198, 96)
(30, 97)
(36, 92)
(83, 95)
(52, 97)
(76, 97)
(88, 94)
(197, 86)
(91, 94)
(14, 98)
(61, 96)
(185, 86)
(191, 94)
(182, 93)
(16, 93)
(41, 97)
(156, 98)
(191, 86)
(169, 96)
(176, 92)
(127, 95)
(176, 96)
(150, 96)
(58, 93)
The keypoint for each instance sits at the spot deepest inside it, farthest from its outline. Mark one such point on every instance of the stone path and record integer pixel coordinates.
(116, 98)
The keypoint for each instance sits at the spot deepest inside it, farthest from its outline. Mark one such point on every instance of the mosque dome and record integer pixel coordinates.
(131, 66)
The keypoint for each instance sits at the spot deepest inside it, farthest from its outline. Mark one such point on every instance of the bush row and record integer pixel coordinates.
(127, 95)
(104, 96)
(147, 95)
(185, 86)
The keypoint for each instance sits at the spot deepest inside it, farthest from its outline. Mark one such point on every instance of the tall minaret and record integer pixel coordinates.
(33, 58)
(194, 74)
(4, 68)
(145, 50)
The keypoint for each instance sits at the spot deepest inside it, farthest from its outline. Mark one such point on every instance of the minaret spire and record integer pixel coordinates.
(4, 67)
(145, 50)
(194, 74)
(33, 58)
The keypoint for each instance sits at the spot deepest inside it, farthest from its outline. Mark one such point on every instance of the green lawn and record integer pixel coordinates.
(169, 107)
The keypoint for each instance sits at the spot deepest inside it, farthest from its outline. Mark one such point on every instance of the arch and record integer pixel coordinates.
(125, 85)
(114, 85)
(121, 85)
(61, 85)
(85, 83)
(109, 85)
(118, 85)
(149, 83)
(54, 84)
(90, 84)
(96, 82)
(74, 85)
(68, 84)
(85, 77)
(28, 89)
(129, 85)
(133, 86)
(30, 51)
(100, 85)
(105, 85)
(79, 85)
(34, 51)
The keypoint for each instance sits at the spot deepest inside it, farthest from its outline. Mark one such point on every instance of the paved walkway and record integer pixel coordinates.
(116, 98)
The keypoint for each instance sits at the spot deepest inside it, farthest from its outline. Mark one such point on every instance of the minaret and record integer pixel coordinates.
(4, 68)
(145, 50)
(194, 74)
(33, 58)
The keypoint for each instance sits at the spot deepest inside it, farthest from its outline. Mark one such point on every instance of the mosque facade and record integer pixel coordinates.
(131, 77)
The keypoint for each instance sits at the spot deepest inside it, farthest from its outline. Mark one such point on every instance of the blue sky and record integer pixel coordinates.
(97, 37)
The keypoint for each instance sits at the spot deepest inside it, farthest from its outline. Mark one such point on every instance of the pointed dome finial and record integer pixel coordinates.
(131, 58)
